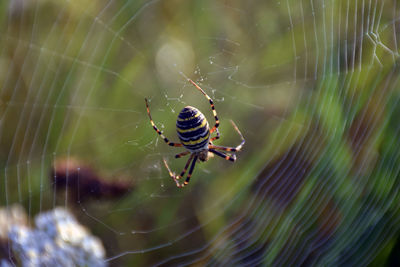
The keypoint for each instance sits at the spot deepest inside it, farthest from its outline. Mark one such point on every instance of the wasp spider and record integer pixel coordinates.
(194, 134)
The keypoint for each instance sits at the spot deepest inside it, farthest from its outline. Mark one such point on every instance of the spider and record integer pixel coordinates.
(194, 134)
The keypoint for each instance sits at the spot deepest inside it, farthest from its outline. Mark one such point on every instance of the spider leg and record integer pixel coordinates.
(211, 103)
(223, 155)
(231, 149)
(215, 137)
(177, 156)
(158, 131)
(227, 148)
(173, 176)
(186, 182)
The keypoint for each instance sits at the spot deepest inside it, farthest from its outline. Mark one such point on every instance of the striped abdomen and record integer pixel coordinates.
(192, 128)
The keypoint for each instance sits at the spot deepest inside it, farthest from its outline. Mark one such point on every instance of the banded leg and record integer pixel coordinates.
(212, 106)
(173, 176)
(231, 149)
(158, 131)
(186, 182)
(215, 137)
(177, 156)
(222, 155)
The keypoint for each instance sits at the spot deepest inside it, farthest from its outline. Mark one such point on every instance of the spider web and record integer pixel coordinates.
(312, 85)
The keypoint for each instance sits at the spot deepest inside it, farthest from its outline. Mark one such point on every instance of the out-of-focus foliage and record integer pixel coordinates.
(312, 85)
(57, 240)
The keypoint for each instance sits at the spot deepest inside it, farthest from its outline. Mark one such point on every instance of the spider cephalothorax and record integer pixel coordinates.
(194, 134)
(205, 155)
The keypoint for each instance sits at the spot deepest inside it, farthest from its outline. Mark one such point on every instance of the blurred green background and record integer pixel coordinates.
(312, 85)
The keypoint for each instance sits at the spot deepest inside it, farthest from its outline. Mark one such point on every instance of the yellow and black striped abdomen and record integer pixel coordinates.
(193, 129)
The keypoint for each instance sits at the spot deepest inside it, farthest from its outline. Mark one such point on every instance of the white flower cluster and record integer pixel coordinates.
(57, 240)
